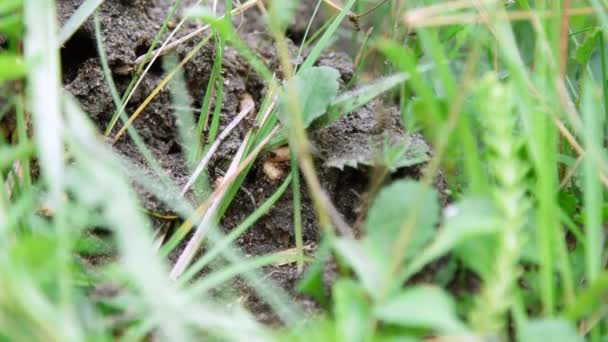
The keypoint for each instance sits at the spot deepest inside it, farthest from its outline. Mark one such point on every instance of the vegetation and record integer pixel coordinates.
(512, 96)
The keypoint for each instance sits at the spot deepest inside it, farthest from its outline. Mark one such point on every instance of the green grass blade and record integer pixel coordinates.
(44, 91)
(324, 41)
(235, 233)
(77, 19)
(593, 192)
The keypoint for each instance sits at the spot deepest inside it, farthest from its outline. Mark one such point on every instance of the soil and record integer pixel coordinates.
(128, 27)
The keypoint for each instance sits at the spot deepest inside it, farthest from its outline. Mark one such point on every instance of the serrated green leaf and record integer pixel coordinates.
(368, 268)
(424, 307)
(317, 86)
(358, 150)
(554, 330)
(399, 205)
(467, 220)
(353, 312)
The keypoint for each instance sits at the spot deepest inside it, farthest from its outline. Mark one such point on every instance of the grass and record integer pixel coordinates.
(512, 98)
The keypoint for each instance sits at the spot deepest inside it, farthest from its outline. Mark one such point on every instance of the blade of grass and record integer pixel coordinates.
(158, 88)
(297, 210)
(184, 118)
(83, 12)
(235, 233)
(211, 150)
(216, 279)
(215, 121)
(104, 62)
(139, 143)
(43, 91)
(593, 194)
(325, 39)
(140, 73)
(135, 243)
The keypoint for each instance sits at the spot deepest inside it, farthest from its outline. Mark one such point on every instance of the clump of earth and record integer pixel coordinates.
(128, 28)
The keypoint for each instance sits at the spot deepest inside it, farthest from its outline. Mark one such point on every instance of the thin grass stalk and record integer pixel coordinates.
(204, 207)
(604, 79)
(208, 219)
(245, 111)
(140, 69)
(235, 233)
(22, 134)
(158, 88)
(297, 210)
(593, 193)
(133, 134)
(215, 121)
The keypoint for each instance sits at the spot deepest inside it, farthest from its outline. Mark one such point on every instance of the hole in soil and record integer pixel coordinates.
(295, 35)
(3, 42)
(141, 49)
(175, 148)
(75, 52)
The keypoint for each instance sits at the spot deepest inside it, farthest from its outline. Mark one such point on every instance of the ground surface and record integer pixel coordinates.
(128, 28)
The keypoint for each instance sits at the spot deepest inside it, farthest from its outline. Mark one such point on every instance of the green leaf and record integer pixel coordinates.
(8, 154)
(423, 307)
(369, 269)
(351, 100)
(316, 87)
(11, 67)
(467, 220)
(12, 25)
(406, 153)
(587, 300)
(406, 61)
(219, 24)
(403, 205)
(7, 6)
(312, 282)
(478, 255)
(395, 152)
(584, 51)
(353, 312)
(554, 330)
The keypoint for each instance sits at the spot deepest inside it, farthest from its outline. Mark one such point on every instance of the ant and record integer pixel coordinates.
(354, 18)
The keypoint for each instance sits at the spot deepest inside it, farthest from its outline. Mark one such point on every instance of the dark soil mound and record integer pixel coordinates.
(128, 27)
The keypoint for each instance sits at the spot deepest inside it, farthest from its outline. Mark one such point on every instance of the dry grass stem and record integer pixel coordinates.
(247, 107)
(414, 19)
